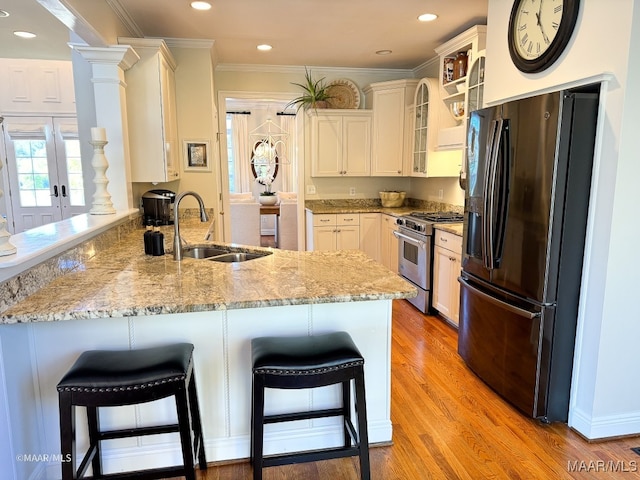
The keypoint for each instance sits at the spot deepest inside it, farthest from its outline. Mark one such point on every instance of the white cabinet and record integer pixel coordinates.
(151, 112)
(446, 269)
(370, 234)
(37, 87)
(327, 232)
(452, 132)
(340, 143)
(389, 101)
(388, 243)
(428, 111)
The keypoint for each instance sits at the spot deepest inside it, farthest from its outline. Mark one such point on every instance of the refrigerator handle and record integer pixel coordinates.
(507, 306)
(489, 193)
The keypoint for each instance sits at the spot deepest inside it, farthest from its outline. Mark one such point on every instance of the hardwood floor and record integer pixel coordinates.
(447, 424)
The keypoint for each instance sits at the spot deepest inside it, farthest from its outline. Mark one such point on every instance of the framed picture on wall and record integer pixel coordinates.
(196, 156)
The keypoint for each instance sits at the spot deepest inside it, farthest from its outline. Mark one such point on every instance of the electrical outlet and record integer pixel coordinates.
(440, 194)
(352, 191)
(311, 189)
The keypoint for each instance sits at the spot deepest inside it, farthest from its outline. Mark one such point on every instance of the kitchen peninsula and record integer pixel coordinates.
(122, 299)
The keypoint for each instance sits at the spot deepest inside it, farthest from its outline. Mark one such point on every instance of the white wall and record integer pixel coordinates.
(605, 400)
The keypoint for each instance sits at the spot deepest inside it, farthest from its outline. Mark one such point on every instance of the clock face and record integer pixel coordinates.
(536, 26)
(539, 31)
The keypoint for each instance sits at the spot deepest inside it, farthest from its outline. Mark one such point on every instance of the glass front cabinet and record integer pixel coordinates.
(425, 124)
(475, 85)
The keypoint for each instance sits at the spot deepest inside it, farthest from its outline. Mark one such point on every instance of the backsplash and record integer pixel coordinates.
(417, 204)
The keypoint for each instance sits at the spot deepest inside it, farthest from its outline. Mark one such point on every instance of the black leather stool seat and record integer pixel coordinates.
(101, 378)
(309, 362)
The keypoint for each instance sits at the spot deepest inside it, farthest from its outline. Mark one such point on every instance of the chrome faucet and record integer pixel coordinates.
(177, 241)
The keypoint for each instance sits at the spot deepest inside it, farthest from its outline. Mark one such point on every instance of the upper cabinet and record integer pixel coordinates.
(456, 56)
(390, 101)
(151, 112)
(340, 143)
(36, 87)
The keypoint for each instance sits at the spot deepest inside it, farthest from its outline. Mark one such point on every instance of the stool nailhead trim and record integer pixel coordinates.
(314, 371)
(121, 389)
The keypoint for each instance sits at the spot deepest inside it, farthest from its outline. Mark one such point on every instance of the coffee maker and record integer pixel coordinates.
(158, 207)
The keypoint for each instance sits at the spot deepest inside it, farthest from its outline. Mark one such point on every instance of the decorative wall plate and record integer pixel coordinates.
(344, 94)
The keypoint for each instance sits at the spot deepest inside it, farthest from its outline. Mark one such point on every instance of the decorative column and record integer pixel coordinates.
(5, 245)
(102, 204)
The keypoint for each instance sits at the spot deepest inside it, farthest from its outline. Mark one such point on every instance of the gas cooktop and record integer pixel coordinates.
(440, 217)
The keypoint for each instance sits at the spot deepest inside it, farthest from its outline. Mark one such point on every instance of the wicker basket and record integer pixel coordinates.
(392, 199)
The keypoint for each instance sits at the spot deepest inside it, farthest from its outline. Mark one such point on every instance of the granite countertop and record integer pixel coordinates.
(455, 228)
(322, 209)
(123, 281)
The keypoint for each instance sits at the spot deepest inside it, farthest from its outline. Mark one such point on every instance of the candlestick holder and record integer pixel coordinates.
(6, 248)
(102, 204)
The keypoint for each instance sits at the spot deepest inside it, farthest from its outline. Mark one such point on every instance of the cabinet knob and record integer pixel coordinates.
(399, 172)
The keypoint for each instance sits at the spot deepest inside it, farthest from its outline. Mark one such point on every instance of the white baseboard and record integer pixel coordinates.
(594, 428)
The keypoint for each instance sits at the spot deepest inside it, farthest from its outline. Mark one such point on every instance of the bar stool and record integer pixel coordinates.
(309, 362)
(104, 378)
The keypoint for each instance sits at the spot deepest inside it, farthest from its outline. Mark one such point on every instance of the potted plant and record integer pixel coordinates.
(315, 93)
(267, 197)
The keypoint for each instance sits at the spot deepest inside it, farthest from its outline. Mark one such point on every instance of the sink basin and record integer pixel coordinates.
(238, 257)
(203, 252)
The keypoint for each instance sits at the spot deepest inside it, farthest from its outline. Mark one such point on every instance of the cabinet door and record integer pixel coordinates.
(388, 132)
(324, 238)
(356, 152)
(389, 243)
(169, 120)
(370, 234)
(326, 146)
(456, 266)
(442, 294)
(348, 238)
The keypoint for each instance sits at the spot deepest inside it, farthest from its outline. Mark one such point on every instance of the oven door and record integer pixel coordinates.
(414, 261)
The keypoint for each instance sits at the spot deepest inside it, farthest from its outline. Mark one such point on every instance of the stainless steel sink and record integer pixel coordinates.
(219, 255)
(238, 257)
(202, 252)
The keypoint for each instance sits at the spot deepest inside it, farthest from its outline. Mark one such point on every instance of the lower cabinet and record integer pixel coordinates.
(446, 269)
(388, 243)
(370, 234)
(333, 231)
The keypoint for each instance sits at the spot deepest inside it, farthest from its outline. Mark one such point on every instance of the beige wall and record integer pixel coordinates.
(278, 80)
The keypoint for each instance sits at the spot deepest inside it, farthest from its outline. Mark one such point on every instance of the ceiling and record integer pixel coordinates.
(338, 33)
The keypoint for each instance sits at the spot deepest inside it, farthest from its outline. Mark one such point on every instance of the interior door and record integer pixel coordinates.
(44, 170)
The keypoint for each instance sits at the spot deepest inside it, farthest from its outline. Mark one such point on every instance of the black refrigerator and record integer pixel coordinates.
(529, 166)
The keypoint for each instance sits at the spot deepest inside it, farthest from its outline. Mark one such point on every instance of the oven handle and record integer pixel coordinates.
(421, 244)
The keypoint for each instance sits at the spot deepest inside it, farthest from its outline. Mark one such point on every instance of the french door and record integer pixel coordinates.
(44, 171)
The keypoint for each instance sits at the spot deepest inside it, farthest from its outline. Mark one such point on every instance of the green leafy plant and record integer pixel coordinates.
(315, 93)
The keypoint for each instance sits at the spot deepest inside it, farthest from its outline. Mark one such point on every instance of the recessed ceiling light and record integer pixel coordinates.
(427, 17)
(4, 13)
(201, 5)
(24, 34)
(264, 47)
(383, 52)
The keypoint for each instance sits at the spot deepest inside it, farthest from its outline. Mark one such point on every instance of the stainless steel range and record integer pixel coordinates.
(415, 251)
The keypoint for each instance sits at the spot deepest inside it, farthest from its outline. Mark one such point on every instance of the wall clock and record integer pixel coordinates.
(539, 31)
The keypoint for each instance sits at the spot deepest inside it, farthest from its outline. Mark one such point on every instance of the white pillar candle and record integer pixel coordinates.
(98, 134)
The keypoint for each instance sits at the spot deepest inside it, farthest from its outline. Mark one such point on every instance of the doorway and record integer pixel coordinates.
(247, 176)
(43, 171)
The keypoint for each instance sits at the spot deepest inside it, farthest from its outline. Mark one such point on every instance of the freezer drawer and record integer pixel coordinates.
(501, 345)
